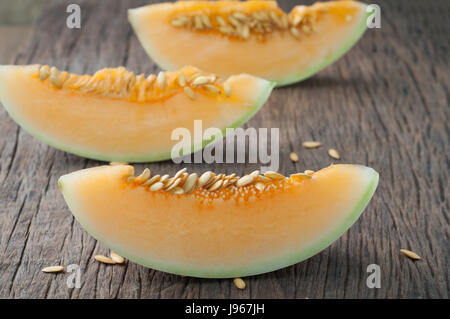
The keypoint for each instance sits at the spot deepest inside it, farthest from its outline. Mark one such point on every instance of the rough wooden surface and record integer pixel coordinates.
(12, 38)
(385, 104)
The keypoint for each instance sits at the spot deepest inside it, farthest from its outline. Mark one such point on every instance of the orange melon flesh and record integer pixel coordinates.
(281, 57)
(227, 233)
(118, 129)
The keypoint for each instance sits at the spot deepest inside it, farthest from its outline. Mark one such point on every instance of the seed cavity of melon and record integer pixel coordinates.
(243, 24)
(185, 183)
(121, 83)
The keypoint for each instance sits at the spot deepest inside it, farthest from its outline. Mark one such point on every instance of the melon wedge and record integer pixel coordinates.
(254, 37)
(229, 231)
(117, 116)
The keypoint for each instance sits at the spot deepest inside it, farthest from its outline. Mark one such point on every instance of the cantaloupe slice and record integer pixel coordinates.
(255, 37)
(217, 226)
(117, 116)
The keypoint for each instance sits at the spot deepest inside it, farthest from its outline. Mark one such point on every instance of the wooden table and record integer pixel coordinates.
(385, 104)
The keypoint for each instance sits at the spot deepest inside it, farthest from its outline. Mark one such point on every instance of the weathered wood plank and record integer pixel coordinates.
(385, 104)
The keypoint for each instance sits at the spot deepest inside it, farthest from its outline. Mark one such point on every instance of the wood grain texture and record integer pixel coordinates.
(385, 104)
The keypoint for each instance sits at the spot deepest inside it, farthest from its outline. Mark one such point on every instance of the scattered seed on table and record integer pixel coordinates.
(239, 283)
(333, 153)
(53, 269)
(294, 157)
(104, 259)
(410, 254)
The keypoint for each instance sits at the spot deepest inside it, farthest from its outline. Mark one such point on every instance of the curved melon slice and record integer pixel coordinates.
(117, 116)
(222, 227)
(255, 37)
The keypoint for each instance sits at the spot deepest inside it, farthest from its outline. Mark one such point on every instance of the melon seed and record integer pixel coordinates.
(221, 21)
(294, 157)
(311, 144)
(156, 187)
(254, 174)
(206, 21)
(176, 191)
(44, 72)
(201, 80)
(54, 77)
(239, 283)
(244, 32)
(190, 182)
(260, 186)
(295, 32)
(189, 92)
(161, 78)
(212, 180)
(181, 79)
(225, 183)
(117, 258)
(204, 178)
(239, 16)
(410, 254)
(234, 21)
(52, 269)
(226, 30)
(198, 23)
(244, 180)
(306, 28)
(180, 172)
(276, 19)
(211, 88)
(216, 185)
(152, 180)
(262, 178)
(150, 79)
(145, 175)
(178, 23)
(300, 176)
(333, 153)
(296, 20)
(273, 175)
(104, 259)
(174, 184)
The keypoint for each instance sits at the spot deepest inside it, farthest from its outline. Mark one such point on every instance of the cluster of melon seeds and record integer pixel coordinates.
(121, 83)
(114, 259)
(241, 24)
(209, 183)
(314, 144)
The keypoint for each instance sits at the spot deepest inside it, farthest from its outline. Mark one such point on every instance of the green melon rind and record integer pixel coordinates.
(251, 270)
(351, 41)
(266, 89)
(326, 241)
